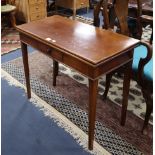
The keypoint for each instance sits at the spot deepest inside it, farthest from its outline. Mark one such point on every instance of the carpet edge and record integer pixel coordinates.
(10, 51)
(80, 137)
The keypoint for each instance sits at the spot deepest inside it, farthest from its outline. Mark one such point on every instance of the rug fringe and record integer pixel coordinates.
(80, 136)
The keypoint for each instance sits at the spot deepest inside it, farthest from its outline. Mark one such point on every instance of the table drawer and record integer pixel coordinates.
(37, 8)
(42, 47)
(37, 16)
(57, 55)
(36, 1)
(53, 53)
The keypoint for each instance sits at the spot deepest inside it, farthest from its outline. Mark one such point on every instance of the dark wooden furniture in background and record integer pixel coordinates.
(136, 8)
(83, 47)
(147, 6)
(138, 73)
(141, 11)
(50, 5)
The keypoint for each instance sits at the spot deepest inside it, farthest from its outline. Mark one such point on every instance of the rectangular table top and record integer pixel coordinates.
(81, 40)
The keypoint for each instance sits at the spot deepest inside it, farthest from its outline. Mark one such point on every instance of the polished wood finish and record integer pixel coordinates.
(93, 84)
(87, 49)
(30, 10)
(26, 68)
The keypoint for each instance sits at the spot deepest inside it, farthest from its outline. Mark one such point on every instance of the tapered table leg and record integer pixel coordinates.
(55, 71)
(93, 84)
(126, 86)
(26, 68)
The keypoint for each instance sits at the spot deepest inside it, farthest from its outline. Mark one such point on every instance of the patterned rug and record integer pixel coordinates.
(70, 98)
(136, 102)
(146, 35)
(9, 40)
(40, 116)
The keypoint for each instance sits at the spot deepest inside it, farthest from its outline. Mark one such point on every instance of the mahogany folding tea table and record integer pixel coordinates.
(85, 48)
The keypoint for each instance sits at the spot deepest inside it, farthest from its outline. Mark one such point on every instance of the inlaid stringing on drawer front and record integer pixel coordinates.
(37, 8)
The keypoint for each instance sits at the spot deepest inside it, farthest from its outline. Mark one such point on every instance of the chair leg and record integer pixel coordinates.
(149, 109)
(108, 80)
(55, 71)
(12, 19)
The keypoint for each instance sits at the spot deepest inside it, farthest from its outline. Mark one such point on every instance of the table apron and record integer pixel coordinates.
(89, 70)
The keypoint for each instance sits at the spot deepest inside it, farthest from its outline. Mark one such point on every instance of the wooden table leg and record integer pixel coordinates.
(26, 68)
(55, 71)
(93, 85)
(126, 86)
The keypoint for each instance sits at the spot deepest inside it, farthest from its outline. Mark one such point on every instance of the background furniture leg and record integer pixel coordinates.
(55, 71)
(108, 80)
(149, 108)
(12, 19)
